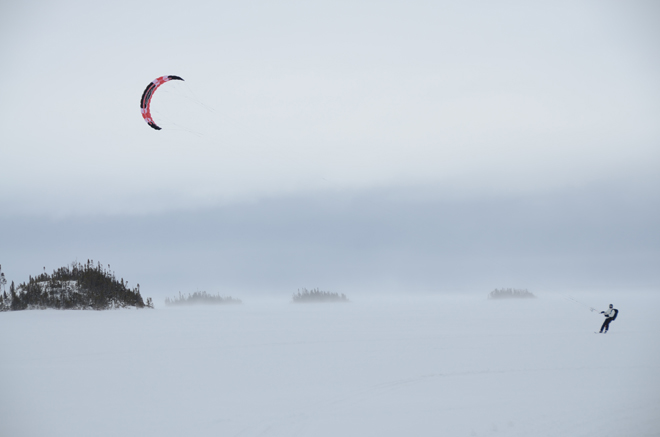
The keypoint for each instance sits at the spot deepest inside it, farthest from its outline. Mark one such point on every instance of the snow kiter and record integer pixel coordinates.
(145, 102)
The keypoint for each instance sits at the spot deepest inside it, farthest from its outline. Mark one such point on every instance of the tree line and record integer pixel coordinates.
(200, 297)
(506, 293)
(316, 295)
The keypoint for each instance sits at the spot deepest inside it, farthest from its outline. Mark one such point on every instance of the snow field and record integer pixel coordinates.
(418, 366)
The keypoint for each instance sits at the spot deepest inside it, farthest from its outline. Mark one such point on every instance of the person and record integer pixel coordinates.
(610, 315)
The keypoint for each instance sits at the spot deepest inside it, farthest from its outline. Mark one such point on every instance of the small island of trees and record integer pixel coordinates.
(510, 293)
(201, 298)
(78, 286)
(315, 295)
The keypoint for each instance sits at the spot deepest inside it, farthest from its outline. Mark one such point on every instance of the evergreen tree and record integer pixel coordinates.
(3, 280)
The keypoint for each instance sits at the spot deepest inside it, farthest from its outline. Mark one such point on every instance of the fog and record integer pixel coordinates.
(456, 365)
(395, 241)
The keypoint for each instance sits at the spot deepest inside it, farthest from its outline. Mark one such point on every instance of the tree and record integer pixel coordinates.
(3, 280)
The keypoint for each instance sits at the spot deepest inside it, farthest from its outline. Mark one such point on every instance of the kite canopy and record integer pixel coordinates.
(145, 102)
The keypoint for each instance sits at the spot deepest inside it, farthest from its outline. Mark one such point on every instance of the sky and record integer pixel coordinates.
(343, 145)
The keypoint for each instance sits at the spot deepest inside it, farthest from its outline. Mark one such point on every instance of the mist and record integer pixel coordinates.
(406, 240)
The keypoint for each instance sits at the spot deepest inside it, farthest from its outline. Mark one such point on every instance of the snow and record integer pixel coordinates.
(420, 366)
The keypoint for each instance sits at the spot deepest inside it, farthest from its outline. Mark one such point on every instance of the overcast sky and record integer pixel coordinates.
(345, 145)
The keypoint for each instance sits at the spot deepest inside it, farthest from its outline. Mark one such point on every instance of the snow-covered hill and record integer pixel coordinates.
(77, 286)
(441, 366)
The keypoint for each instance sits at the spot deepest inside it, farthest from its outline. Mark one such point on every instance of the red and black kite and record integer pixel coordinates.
(145, 102)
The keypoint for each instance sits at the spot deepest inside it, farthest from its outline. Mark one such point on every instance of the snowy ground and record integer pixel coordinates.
(442, 366)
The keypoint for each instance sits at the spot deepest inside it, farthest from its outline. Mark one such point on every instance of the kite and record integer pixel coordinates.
(145, 102)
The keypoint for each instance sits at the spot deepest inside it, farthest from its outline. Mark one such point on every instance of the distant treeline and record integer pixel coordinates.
(78, 286)
(315, 295)
(201, 297)
(507, 293)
